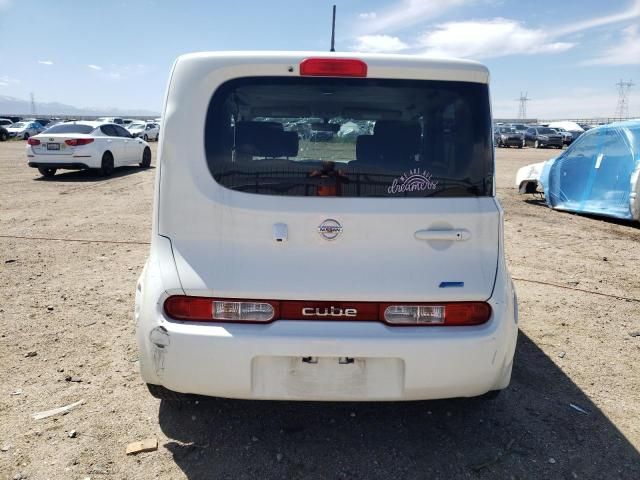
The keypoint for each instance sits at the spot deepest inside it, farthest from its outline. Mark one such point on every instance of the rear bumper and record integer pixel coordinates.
(60, 165)
(266, 361)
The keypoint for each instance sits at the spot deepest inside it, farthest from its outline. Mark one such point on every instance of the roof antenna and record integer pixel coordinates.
(333, 31)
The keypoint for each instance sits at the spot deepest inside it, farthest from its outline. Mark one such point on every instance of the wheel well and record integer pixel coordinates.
(528, 186)
(105, 152)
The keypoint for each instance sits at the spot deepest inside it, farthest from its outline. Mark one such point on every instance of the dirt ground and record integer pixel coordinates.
(66, 304)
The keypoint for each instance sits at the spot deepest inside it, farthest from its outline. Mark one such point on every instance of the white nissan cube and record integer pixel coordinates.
(290, 266)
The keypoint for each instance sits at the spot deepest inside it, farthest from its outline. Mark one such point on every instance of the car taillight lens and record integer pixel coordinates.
(333, 67)
(76, 142)
(446, 314)
(33, 141)
(206, 309)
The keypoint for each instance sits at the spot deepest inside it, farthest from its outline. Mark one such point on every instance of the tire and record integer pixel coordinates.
(26, 136)
(490, 395)
(536, 144)
(146, 158)
(47, 172)
(520, 146)
(162, 393)
(145, 137)
(4, 137)
(106, 166)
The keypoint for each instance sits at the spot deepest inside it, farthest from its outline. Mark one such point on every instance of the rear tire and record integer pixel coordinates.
(146, 158)
(490, 395)
(26, 136)
(145, 137)
(106, 166)
(47, 172)
(4, 137)
(161, 393)
(536, 144)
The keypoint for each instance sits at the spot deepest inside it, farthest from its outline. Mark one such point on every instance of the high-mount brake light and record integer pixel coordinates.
(333, 67)
(76, 142)
(33, 141)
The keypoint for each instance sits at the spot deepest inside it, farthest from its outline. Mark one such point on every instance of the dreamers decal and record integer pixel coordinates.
(414, 181)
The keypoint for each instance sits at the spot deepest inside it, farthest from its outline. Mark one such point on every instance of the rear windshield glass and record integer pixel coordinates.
(70, 128)
(309, 136)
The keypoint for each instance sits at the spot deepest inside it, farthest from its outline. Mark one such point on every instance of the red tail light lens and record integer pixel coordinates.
(333, 67)
(445, 314)
(76, 142)
(33, 141)
(205, 309)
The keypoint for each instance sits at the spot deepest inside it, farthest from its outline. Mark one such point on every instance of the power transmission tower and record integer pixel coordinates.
(622, 108)
(33, 105)
(522, 111)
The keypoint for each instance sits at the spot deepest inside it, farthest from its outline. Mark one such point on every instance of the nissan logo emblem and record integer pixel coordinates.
(330, 229)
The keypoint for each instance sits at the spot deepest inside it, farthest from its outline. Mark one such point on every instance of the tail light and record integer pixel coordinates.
(33, 141)
(76, 142)
(446, 314)
(205, 309)
(333, 67)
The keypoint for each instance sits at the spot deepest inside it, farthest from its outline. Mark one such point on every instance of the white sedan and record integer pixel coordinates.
(85, 145)
(146, 131)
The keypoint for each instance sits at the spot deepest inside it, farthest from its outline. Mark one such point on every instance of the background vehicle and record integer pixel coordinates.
(507, 137)
(116, 120)
(542, 137)
(5, 122)
(297, 230)
(567, 137)
(4, 134)
(83, 145)
(598, 174)
(24, 130)
(146, 131)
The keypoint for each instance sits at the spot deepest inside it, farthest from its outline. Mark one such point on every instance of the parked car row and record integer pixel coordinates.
(23, 129)
(536, 136)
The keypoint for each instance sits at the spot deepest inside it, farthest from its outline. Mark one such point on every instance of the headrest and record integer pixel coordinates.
(399, 132)
(265, 139)
(367, 150)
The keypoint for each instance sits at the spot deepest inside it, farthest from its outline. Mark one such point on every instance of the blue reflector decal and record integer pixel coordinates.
(451, 284)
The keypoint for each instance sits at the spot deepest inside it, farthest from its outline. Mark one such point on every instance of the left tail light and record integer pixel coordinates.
(33, 141)
(76, 142)
(203, 309)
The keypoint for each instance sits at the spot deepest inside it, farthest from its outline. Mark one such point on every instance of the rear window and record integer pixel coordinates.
(347, 137)
(70, 128)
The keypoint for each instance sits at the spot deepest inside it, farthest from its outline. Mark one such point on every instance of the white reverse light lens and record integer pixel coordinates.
(242, 311)
(414, 314)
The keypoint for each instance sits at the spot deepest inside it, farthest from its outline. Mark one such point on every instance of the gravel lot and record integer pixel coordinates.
(66, 303)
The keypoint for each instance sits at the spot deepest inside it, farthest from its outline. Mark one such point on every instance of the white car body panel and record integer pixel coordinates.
(209, 240)
(530, 173)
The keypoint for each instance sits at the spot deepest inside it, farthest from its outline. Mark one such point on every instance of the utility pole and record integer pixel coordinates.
(33, 105)
(622, 108)
(522, 111)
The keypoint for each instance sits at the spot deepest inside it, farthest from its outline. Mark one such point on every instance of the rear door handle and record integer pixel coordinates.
(458, 235)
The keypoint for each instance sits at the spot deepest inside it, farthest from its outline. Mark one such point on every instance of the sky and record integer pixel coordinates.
(567, 56)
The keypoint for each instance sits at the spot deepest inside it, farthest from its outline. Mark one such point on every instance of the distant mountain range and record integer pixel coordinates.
(16, 106)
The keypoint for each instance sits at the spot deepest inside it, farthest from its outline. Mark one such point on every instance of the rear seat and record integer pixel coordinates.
(264, 139)
(393, 142)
